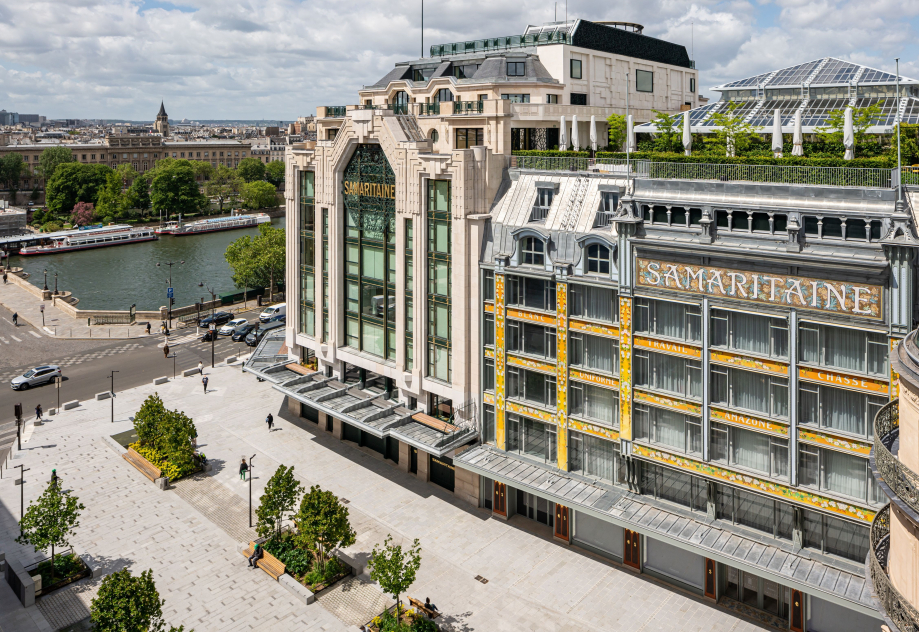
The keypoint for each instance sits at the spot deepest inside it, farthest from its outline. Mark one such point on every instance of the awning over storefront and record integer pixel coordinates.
(715, 540)
(369, 411)
(269, 359)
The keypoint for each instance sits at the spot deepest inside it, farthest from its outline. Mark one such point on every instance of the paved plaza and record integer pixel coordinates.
(190, 534)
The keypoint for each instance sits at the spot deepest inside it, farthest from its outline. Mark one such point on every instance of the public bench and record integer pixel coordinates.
(436, 424)
(432, 614)
(144, 466)
(268, 563)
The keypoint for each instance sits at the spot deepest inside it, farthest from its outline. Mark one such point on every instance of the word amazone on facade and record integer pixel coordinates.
(679, 375)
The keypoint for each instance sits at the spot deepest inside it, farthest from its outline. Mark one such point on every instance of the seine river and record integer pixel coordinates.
(117, 276)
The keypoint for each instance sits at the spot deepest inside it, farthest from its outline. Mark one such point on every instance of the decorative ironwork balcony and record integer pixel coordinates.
(902, 481)
(894, 605)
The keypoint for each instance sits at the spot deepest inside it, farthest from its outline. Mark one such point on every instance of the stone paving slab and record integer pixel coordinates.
(355, 601)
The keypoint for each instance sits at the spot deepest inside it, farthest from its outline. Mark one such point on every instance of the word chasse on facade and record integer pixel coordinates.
(827, 296)
(371, 189)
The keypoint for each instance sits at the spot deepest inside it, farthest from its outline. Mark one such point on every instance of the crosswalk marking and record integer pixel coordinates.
(15, 338)
(180, 340)
(34, 334)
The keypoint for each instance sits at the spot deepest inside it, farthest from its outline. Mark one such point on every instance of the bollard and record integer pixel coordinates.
(103, 395)
(71, 404)
(160, 380)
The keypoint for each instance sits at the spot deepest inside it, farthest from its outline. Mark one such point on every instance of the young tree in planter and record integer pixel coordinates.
(149, 419)
(280, 497)
(395, 569)
(126, 603)
(322, 523)
(50, 520)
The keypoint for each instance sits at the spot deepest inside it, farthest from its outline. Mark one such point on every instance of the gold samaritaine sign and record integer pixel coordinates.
(370, 189)
(857, 299)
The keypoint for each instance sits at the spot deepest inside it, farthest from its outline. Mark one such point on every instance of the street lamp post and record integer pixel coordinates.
(55, 283)
(174, 354)
(17, 411)
(170, 299)
(250, 490)
(113, 395)
(22, 495)
(41, 308)
(213, 329)
(46, 280)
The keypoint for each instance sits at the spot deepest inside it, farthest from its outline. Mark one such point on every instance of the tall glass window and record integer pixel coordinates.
(672, 374)
(595, 457)
(838, 473)
(594, 352)
(531, 438)
(325, 274)
(752, 510)
(531, 386)
(838, 409)
(829, 534)
(673, 485)
(488, 424)
(439, 268)
(748, 390)
(750, 333)
(531, 293)
(409, 296)
(595, 403)
(844, 349)
(671, 320)
(488, 285)
(370, 259)
(668, 428)
(594, 303)
(748, 449)
(307, 254)
(527, 338)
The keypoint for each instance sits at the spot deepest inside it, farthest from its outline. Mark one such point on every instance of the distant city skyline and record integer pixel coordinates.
(106, 60)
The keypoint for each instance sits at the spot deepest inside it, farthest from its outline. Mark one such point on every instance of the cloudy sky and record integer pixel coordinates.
(279, 59)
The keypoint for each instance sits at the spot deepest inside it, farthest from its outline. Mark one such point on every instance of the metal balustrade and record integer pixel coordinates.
(900, 611)
(901, 480)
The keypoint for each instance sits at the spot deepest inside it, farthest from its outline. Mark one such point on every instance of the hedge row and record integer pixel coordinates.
(790, 161)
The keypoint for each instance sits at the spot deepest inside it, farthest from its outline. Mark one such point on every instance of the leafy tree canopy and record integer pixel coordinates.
(259, 194)
(51, 157)
(280, 497)
(51, 520)
(735, 135)
(394, 568)
(126, 603)
(862, 118)
(174, 189)
(251, 169)
(274, 172)
(617, 131)
(322, 523)
(256, 262)
(74, 182)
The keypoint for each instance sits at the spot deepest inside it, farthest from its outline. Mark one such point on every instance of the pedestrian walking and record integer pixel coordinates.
(200, 367)
(270, 421)
(204, 383)
(148, 328)
(4, 278)
(16, 319)
(38, 412)
(243, 468)
(166, 350)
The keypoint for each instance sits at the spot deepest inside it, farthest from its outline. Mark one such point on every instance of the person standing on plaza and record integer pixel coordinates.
(243, 468)
(200, 367)
(16, 319)
(270, 421)
(38, 412)
(204, 383)
(165, 349)
(148, 328)
(4, 278)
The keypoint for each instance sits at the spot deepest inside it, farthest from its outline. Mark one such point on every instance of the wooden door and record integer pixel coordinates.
(561, 522)
(710, 579)
(797, 611)
(632, 549)
(500, 499)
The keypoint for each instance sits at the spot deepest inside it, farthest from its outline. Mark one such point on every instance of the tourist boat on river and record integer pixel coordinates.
(213, 225)
(86, 238)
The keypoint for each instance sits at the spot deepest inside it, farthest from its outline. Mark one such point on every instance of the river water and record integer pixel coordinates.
(117, 276)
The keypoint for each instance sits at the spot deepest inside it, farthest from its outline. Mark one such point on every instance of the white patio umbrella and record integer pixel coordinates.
(687, 134)
(798, 149)
(563, 135)
(848, 136)
(777, 142)
(593, 133)
(575, 142)
(629, 134)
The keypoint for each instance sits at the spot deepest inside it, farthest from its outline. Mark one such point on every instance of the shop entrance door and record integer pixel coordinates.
(632, 550)
(757, 592)
(561, 522)
(710, 567)
(500, 499)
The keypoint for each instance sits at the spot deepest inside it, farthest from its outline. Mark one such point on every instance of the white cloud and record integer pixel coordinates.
(282, 58)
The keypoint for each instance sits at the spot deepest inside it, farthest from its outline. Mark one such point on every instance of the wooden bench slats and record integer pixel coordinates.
(436, 424)
(144, 466)
(433, 614)
(268, 563)
(296, 368)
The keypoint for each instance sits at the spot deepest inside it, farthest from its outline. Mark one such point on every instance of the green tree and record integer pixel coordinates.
(259, 194)
(203, 170)
(126, 603)
(274, 172)
(395, 569)
(175, 438)
(617, 131)
(735, 134)
(258, 261)
(667, 138)
(280, 497)
(12, 168)
(322, 523)
(862, 118)
(111, 197)
(74, 182)
(139, 193)
(174, 190)
(243, 261)
(272, 253)
(223, 185)
(148, 420)
(50, 520)
(51, 157)
(251, 169)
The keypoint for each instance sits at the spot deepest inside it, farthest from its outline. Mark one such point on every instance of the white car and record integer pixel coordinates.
(230, 328)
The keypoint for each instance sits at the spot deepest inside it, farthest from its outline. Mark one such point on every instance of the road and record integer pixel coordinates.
(87, 364)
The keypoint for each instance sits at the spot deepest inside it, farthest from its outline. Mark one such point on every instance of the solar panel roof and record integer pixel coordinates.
(795, 75)
(836, 71)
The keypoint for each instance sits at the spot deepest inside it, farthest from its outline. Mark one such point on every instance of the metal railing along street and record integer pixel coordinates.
(776, 174)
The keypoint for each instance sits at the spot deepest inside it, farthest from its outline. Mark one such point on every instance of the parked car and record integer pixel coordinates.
(272, 312)
(256, 336)
(35, 377)
(219, 318)
(230, 328)
(209, 335)
(243, 331)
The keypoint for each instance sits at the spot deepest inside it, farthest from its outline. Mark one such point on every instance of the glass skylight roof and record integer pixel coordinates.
(795, 75)
(836, 71)
(749, 81)
(877, 76)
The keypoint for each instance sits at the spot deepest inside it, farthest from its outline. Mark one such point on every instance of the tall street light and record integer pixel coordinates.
(46, 280)
(55, 283)
(213, 329)
(113, 395)
(170, 298)
(250, 490)
(22, 495)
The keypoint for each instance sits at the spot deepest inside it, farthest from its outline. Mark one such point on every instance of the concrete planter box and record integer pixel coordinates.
(103, 395)
(71, 404)
(190, 372)
(160, 380)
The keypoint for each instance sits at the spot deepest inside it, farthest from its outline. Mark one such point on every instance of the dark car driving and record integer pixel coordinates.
(219, 318)
(255, 336)
(242, 332)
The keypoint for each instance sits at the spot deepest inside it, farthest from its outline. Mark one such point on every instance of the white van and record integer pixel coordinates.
(273, 312)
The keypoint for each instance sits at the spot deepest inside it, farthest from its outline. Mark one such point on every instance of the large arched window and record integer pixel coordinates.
(534, 251)
(598, 259)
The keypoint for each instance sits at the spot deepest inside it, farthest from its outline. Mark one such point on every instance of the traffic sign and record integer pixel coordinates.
(169, 293)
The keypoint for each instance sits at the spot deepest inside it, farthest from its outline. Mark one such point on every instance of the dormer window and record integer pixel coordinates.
(609, 200)
(534, 252)
(544, 197)
(516, 69)
(598, 259)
